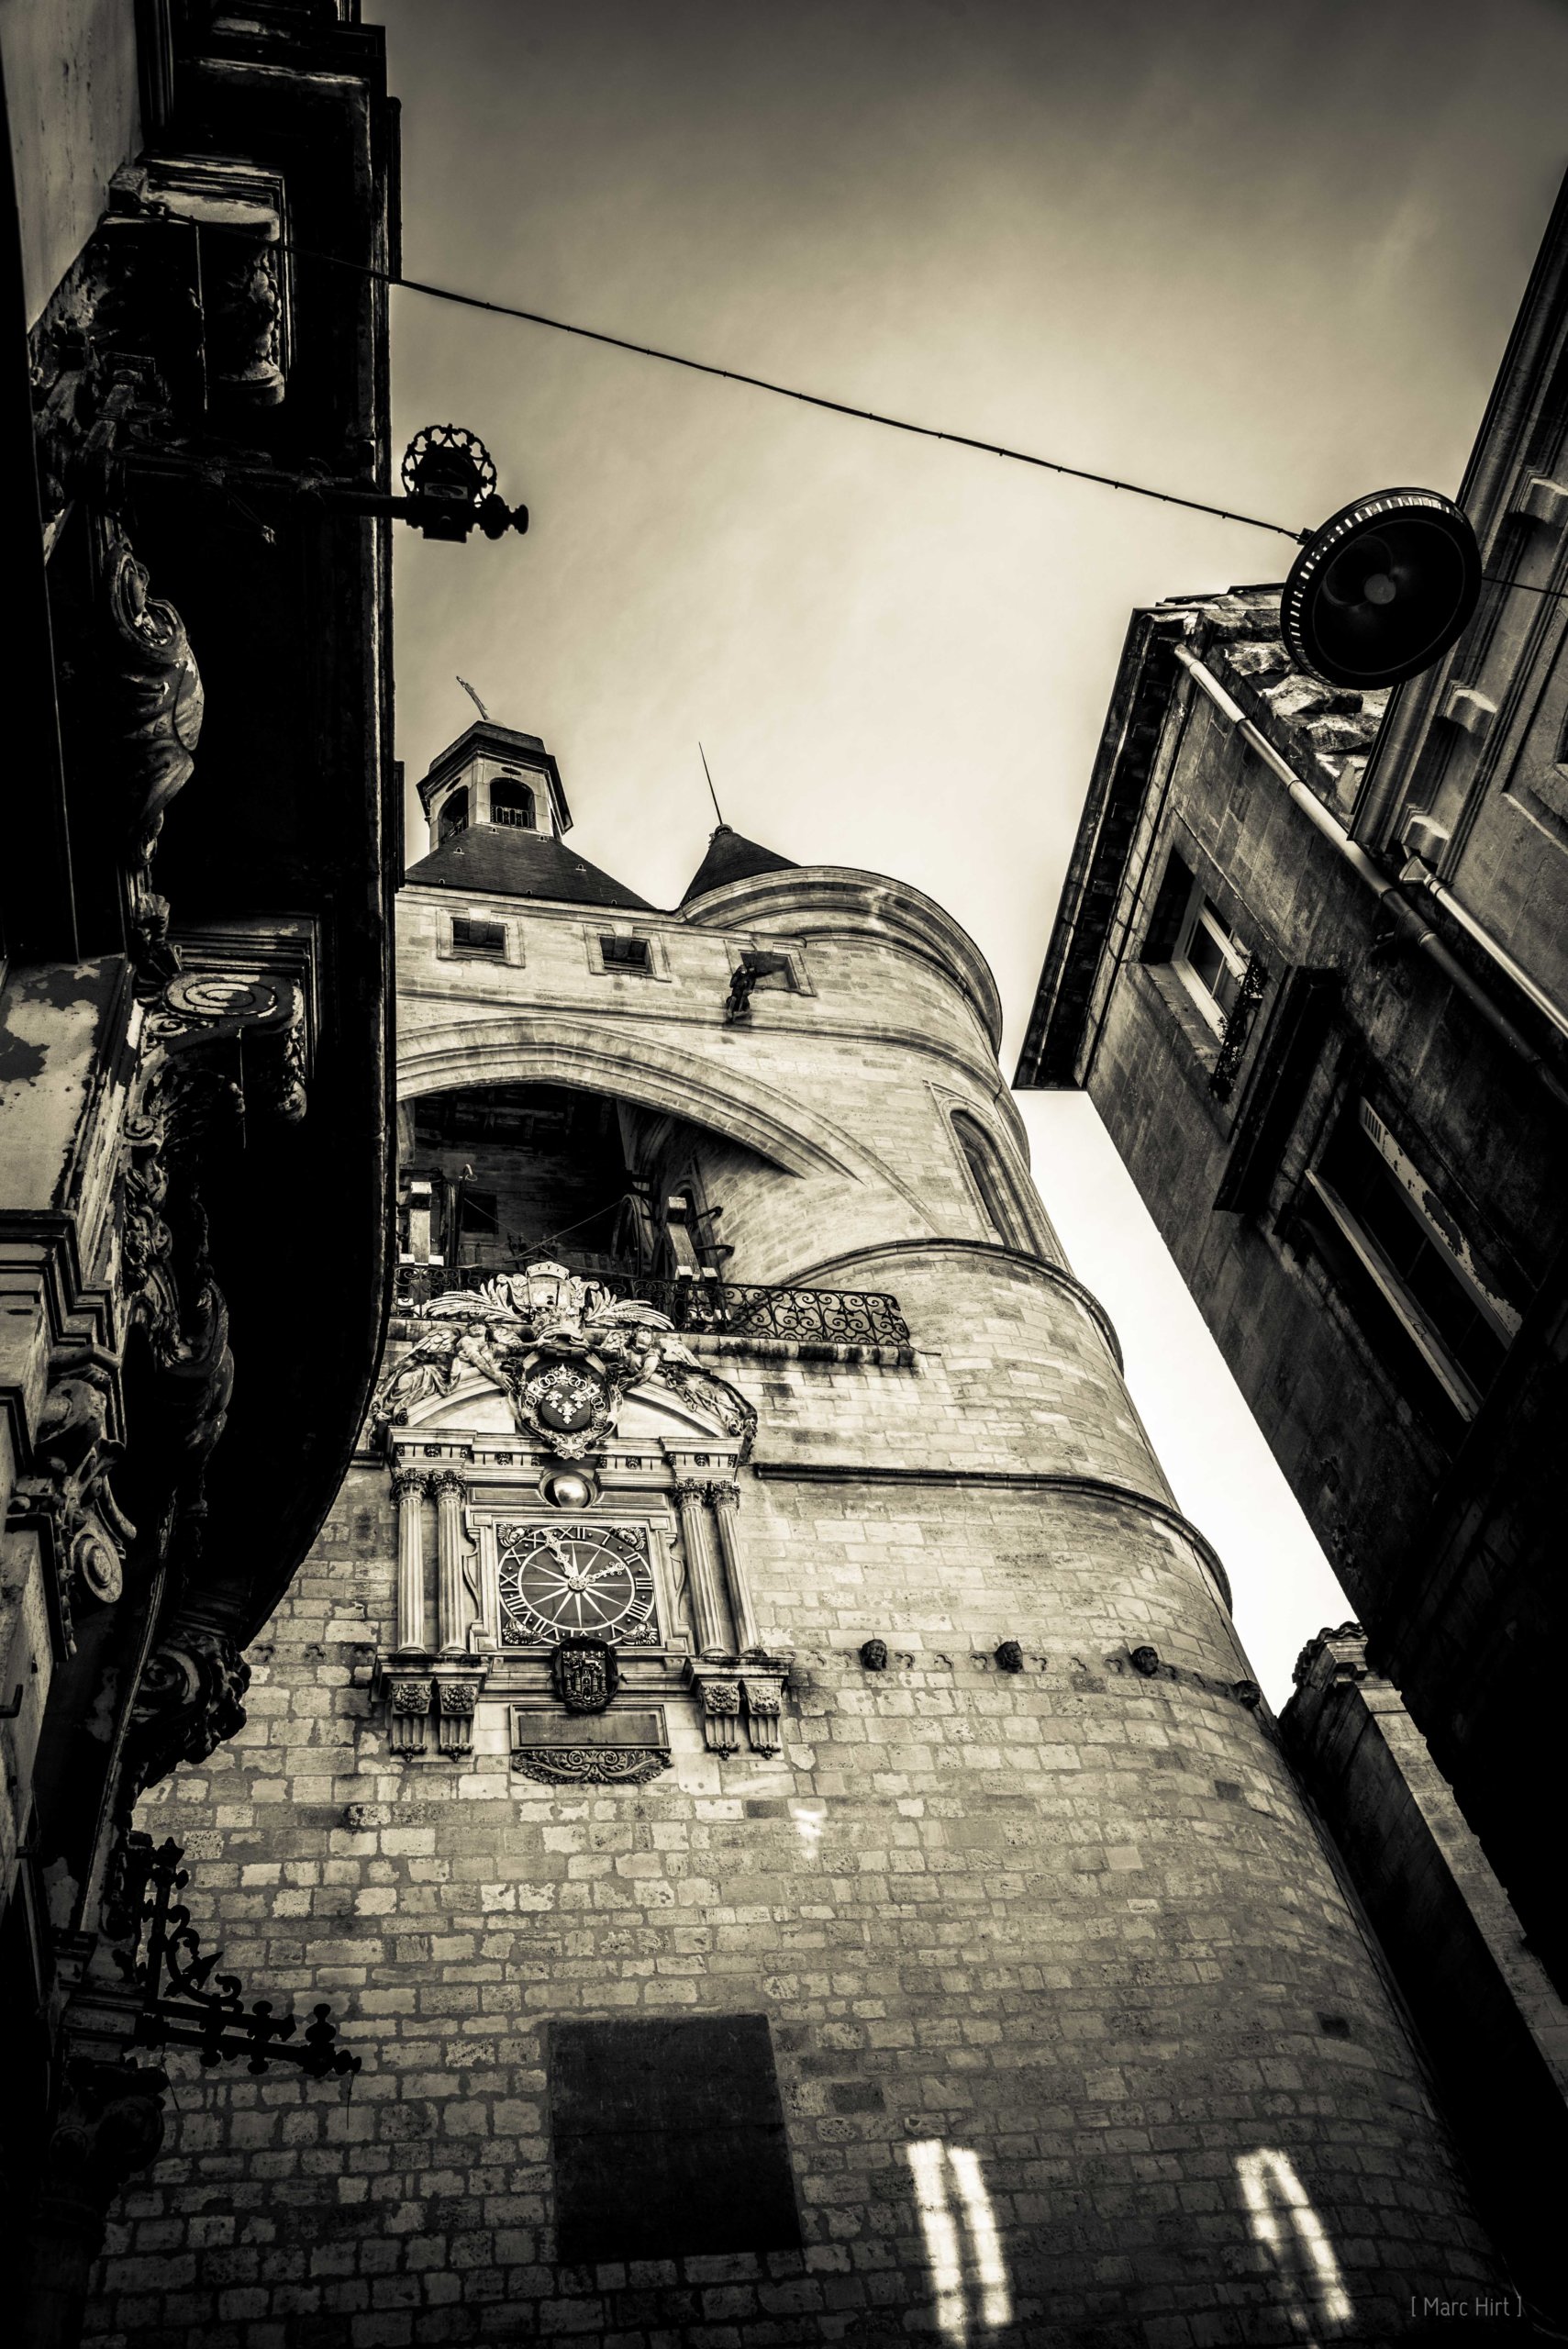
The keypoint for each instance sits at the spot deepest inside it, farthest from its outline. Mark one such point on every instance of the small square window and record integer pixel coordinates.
(625, 954)
(479, 938)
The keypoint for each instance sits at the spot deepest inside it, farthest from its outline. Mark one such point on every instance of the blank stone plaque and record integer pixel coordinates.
(668, 2139)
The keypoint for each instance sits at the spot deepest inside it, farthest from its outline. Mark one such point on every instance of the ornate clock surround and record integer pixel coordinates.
(660, 1520)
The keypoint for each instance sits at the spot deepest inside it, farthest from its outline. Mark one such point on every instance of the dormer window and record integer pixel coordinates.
(453, 816)
(511, 802)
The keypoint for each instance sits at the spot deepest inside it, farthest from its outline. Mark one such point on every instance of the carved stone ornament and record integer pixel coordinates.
(571, 1408)
(188, 1701)
(1337, 1658)
(874, 1654)
(585, 1672)
(244, 344)
(191, 248)
(215, 1045)
(764, 1711)
(457, 1701)
(563, 1352)
(1144, 1660)
(152, 697)
(593, 1765)
(721, 1715)
(68, 1491)
(109, 2124)
(407, 1711)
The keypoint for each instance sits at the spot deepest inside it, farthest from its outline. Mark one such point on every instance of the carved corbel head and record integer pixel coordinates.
(188, 1701)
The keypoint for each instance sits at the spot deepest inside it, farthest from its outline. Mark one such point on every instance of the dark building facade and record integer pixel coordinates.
(1309, 963)
(194, 958)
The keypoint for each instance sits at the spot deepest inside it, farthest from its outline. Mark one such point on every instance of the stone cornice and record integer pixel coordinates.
(1093, 1489)
(1056, 1275)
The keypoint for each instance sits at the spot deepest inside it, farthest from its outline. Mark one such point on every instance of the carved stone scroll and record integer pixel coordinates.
(68, 1493)
(407, 1711)
(720, 1714)
(765, 1710)
(456, 1704)
(595, 1765)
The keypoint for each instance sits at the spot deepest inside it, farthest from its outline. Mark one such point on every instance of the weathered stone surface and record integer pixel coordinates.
(1068, 1920)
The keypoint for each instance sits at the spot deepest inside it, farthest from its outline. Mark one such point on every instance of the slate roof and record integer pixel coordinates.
(731, 857)
(505, 861)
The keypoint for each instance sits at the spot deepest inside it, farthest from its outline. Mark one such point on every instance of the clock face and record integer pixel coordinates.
(558, 1578)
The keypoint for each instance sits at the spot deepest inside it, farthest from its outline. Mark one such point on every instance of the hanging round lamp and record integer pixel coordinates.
(1384, 589)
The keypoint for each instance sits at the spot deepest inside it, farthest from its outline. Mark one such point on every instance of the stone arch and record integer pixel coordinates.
(523, 1050)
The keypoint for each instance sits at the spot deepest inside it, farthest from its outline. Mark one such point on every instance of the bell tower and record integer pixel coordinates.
(492, 774)
(788, 1823)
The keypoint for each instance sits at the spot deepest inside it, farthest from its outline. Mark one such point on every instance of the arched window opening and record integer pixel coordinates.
(512, 803)
(453, 818)
(981, 1157)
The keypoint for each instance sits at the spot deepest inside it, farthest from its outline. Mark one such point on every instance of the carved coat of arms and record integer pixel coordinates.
(569, 1405)
(563, 1352)
(586, 1674)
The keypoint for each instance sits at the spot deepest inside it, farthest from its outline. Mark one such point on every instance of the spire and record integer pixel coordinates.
(731, 857)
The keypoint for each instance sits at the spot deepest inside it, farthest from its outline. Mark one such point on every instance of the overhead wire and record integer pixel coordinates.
(789, 392)
(819, 400)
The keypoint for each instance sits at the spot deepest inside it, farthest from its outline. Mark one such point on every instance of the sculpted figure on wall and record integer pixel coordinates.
(562, 1351)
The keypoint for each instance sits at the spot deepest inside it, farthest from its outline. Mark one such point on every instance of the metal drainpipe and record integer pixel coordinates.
(1406, 919)
(1419, 869)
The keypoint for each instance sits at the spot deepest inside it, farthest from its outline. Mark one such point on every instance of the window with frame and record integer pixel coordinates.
(473, 937)
(1413, 1264)
(453, 818)
(625, 954)
(1187, 931)
(1209, 959)
(983, 1160)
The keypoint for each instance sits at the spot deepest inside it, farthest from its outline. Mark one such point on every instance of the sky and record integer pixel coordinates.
(1265, 256)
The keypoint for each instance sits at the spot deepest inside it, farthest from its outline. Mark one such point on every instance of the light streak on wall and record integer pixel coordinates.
(1284, 2222)
(950, 2234)
(808, 1818)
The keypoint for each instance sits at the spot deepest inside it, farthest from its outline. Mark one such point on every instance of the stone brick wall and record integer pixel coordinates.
(1070, 1920)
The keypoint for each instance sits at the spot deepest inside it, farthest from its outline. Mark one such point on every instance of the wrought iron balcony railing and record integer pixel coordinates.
(732, 1308)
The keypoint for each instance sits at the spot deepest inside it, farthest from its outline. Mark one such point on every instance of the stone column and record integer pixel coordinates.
(455, 1604)
(707, 1615)
(410, 1487)
(726, 1502)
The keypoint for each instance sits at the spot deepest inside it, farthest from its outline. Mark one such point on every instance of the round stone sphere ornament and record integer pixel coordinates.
(569, 1492)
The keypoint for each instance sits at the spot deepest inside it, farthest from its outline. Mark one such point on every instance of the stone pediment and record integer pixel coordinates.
(652, 1415)
(556, 1360)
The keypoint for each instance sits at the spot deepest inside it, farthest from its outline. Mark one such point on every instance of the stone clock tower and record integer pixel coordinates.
(758, 1761)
